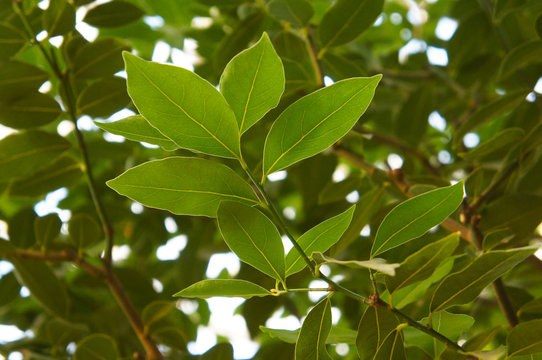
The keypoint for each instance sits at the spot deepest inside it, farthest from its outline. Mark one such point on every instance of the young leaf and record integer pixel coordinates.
(24, 153)
(253, 237)
(31, 110)
(137, 128)
(100, 58)
(346, 20)
(464, 286)
(113, 14)
(375, 264)
(316, 121)
(415, 216)
(525, 338)
(311, 343)
(96, 346)
(422, 263)
(46, 229)
(198, 191)
(253, 82)
(336, 335)
(103, 97)
(223, 287)
(183, 106)
(374, 328)
(319, 238)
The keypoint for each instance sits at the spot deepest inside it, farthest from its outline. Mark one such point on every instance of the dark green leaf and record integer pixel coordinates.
(346, 20)
(84, 231)
(392, 348)
(464, 286)
(422, 263)
(9, 288)
(11, 40)
(325, 116)
(96, 347)
(296, 12)
(223, 287)
(336, 335)
(253, 82)
(532, 307)
(198, 192)
(319, 238)
(100, 58)
(113, 14)
(253, 237)
(481, 340)
(222, 351)
(137, 128)
(59, 18)
(20, 234)
(311, 343)
(520, 57)
(503, 140)
(19, 78)
(184, 107)
(411, 122)
(377, 264)
(24, 153)
(416, 216)
(103, 97)
(46, 229)
(32, 110)
(60, 333)
(375, 327)
(525, 338)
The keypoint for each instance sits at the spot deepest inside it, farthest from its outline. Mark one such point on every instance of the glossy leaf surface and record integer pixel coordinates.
(223, 287)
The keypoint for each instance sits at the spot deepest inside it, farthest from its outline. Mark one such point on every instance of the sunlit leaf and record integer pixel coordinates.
(223, 287)
(336, 335)
(377, 264)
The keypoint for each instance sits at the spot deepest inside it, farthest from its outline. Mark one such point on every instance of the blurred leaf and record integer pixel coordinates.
(413, 217)
(20, 233)
(253, 82)
(197, 117)
(253, 237)
(422, 263)
(137, 128)
(25, 152)
(326, 115)
(375, 327)
(222, 351)
(464, 286)
(9, 288)
(319, 238)
(296, 12)
(524, 339)
(337, 191)
(532, 307)
(46, 229)
(103, 97)
(113, 14)
(60, 332)
(96, 346)
(12, 41)
(521, 56)
(84, 231)
(311, 343)
(505, 139)
(346, 20)
(19, 78)
(206, 183)
(100, 58)
(411, 122)
(480, 340)
(223, 287)
(59, 18)
(336, 335)
(32, 110)
(377, 264)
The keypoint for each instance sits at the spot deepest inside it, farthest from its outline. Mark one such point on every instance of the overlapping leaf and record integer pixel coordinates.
(377, 334)
(525, 339)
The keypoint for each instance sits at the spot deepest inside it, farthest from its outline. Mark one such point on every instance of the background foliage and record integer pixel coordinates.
(414, 137)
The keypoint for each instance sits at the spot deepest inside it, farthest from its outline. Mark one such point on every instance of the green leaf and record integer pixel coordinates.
(415, 216)
(296, 12)
(103, 97)
(538, 26)
(137, 128)
(377, 264)
(11, 41)
(46, 229)
(19, 78)
(64, 172)
(100, 58)
(183, 106)
(253, 82)
(421, 264)
(60, 332)
(525, 338)
(198, 191)
(319, 238)
(311, 343)
(222, 351)
(223, 287)
(482, 339)
(24, 153)
(20, 234)
(411, 122)
(96, 347)
(336, 335)
(316, 121)
(392, 348)
(504, 140)
(32, 110)
(375, 327)
(489, 112)
(59, 18)
(84, 231)
(464, 286)
(520, 57)
(532, 307)
(346, 20)
(9, 288)
(253, 237)
(113, 14)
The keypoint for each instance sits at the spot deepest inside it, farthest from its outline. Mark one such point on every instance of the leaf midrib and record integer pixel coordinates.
(251, 90)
